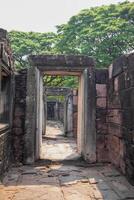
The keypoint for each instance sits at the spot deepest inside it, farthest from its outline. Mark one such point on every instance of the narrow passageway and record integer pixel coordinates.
(56, 146)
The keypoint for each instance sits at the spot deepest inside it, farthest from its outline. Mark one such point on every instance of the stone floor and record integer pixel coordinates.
(57, 147)
(64, 179)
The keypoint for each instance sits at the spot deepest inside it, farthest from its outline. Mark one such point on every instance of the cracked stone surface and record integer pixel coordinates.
(64, 179)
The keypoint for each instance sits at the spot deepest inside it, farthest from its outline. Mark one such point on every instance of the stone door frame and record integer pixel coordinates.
(67, 93)
(81, 66)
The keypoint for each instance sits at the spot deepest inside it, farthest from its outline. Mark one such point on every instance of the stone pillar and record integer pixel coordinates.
(70, 116)
(75, 111)
(80, 119)
(31, 112)
(89, 109)
(39, 116)
(65, 117)
(45, 113)
(56, 114)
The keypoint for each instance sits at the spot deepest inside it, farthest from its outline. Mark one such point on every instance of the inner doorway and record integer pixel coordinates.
(80, 66)
(60, 135)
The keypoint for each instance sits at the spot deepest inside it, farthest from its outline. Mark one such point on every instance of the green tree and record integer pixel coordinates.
(103, 32)
(26, 43)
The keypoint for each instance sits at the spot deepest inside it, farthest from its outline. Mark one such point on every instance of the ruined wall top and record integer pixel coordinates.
(101, 76)
(61, 60)
(121, 64)
(3, 34)
(6, 57)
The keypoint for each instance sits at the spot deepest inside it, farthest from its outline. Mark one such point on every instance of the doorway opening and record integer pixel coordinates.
(61, 106)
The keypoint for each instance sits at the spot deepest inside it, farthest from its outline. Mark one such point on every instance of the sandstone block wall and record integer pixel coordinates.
(5, 150)
(101, 113)
(18, 130)
(6, 101)
(120, 117)
(114, 115)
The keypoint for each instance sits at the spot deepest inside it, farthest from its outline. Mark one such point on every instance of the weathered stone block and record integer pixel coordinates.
(101, 127)
(101, 102)
(18, 122)
(102, 150)
(122, 148)
(131, 77)
(19, 111)
(17, 131)
(116, 84)
(121, 81)
(101, 76)
(62, 60)
(115, 144)
(114, 101)
(101, 114)
(115, 129)
(114, 116)
(119, 65)
(131, 62)
(101, 90)
(122, 166)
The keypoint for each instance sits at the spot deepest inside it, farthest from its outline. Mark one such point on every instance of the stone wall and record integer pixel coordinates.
(5, 150)
(19, 115)
(114, 115)
(6, 101)
(120, 118)
(101, 113)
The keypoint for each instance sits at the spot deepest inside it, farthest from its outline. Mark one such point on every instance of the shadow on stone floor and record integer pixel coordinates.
(71, 179)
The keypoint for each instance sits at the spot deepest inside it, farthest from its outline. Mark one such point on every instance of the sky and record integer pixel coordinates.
(42, 15)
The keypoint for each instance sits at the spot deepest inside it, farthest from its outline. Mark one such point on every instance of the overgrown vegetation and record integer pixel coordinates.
(103, 32)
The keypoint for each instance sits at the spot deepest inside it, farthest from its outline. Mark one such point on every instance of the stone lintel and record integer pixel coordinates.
(56, 91)
(59, 61)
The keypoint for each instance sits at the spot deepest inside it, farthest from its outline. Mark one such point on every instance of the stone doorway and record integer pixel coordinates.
(80, 66)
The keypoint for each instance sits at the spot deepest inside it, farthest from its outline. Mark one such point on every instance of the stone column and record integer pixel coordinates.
(70, 116)
(45, 112)
(56, 111)
(65, 117)
(30, 121)
(89, 108)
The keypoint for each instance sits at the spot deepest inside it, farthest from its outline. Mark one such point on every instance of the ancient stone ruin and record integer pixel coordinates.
(103, 105)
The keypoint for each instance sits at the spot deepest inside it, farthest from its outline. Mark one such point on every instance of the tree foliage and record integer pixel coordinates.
(103, 32)
(26, 43)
